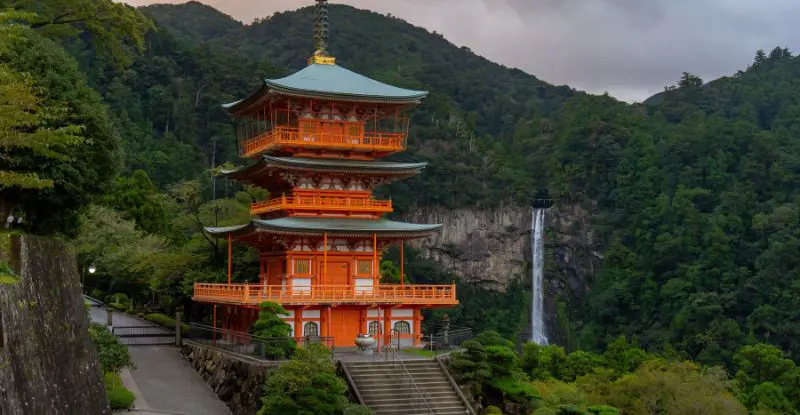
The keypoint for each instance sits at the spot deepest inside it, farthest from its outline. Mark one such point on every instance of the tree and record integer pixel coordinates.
(141, 201)
(305, 385)
(661, 387)
(274, 331)
(112, 354)
(115, 29)
(56, 135)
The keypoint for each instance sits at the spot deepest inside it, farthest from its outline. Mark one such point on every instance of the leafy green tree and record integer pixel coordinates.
(305, 385)
(141, 201)
(115, 29)
(82, 158)
(275, 332)
(112, 354)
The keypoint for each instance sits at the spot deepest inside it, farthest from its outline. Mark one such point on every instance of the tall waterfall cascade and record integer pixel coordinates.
(538, 335)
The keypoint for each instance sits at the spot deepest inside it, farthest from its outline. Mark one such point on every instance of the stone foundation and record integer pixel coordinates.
(48, 364)
(239, 382)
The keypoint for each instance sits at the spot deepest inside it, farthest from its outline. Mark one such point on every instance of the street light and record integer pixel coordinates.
(92, 269)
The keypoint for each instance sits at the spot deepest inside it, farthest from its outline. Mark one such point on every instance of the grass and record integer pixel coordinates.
(421, 352)
(118, 396)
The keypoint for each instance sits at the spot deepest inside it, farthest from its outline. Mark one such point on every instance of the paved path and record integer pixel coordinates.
(163, 381)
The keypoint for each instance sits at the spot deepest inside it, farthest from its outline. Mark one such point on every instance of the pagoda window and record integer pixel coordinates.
(402, 327)
(306, 183)
(364, 266)
(374, 328)
(302, 266)
(311, 329)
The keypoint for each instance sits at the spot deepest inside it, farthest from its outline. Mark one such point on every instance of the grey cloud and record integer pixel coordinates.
(630, 48)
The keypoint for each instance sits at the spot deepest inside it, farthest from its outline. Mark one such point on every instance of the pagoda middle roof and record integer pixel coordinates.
(332, 82)
(333, 226)
(327, 165)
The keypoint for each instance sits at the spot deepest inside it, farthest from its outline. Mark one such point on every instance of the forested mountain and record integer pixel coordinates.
(695, 197)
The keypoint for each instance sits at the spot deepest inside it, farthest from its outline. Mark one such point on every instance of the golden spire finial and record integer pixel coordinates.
(321, 55)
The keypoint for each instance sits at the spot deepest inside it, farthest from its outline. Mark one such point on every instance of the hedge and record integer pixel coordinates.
(166, 321)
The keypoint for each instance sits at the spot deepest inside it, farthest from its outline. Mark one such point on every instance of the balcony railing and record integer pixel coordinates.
(254, 294)
(281, 136)
(315, 204)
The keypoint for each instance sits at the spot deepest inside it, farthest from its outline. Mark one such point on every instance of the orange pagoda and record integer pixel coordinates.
(316, 139)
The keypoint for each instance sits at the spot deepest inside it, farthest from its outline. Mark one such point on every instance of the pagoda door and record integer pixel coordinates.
(338, 273)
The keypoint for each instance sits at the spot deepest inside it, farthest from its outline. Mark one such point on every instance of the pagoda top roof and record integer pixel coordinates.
(331, 81)
(332, 226)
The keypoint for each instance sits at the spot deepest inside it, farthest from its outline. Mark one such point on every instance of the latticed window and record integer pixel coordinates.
(402, 327)
(311, 329)
(302, 266)
(364, 266)
(374, 328)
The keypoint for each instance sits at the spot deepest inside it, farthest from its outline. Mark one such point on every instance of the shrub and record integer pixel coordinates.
(118, 396)
(166, 321)
(354, 409)
(112, 354)
(492, 410)
(602, 410)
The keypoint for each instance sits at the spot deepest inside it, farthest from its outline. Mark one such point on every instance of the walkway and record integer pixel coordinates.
(163, 381)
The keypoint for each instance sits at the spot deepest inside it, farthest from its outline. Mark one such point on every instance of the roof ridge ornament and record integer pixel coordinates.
(321, 55)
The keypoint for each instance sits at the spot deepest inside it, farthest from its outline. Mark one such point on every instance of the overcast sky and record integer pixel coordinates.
(629, 48)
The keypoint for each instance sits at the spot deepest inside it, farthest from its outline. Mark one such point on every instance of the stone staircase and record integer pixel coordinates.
(411, 387)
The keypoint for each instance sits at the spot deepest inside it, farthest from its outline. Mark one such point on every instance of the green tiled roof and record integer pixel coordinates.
(335, 82)
(334, 226)
(364, 166)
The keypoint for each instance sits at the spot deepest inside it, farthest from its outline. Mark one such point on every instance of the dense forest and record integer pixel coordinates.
(694, 194)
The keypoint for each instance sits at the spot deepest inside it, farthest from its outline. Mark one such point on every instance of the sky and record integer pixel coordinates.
(628, 48)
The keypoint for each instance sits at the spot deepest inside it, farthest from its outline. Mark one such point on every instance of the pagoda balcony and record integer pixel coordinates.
(281, 137)
(313, 204)
(255, 294)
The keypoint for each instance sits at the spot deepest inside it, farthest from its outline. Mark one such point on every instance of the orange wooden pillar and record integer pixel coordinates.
(387, 326)
(214, 334)
(298, 323)
(417, 327)
(230, 257)
(375, 258)
(328, 323)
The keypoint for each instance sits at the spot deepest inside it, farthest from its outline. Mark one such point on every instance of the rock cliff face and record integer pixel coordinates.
(48, 364)
(492, 248)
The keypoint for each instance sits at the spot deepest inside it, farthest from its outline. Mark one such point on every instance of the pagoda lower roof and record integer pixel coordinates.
(368, 167)
(332, 226)
(331, 82)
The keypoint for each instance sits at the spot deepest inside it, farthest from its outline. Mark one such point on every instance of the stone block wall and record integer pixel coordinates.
(48, 363)
(238, 381)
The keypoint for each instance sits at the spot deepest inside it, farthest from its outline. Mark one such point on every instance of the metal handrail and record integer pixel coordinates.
(396, 359)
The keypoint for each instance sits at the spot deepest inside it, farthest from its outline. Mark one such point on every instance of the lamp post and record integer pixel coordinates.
(92, 269)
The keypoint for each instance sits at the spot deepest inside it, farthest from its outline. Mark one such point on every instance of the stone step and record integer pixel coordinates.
(438, 401)
(395, 377)
(408, 390)
(398, 369)
(407, 363)
(422, 385)
(383, 394)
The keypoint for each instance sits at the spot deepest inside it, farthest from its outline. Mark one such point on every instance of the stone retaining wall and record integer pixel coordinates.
(238, 381)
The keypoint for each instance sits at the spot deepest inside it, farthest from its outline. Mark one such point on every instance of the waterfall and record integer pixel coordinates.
(537, 287)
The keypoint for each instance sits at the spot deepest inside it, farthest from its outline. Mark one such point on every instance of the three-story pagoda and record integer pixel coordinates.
(316, 139)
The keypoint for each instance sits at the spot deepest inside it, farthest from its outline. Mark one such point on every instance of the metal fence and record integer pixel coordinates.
(447, 337)
(274, 348)
(144, 335)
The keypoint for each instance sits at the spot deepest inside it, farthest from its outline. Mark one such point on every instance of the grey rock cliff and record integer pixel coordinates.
(492, 247)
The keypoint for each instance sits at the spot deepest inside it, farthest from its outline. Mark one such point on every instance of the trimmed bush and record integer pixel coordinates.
(166, 321)
(118, 396)
(492, 410)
